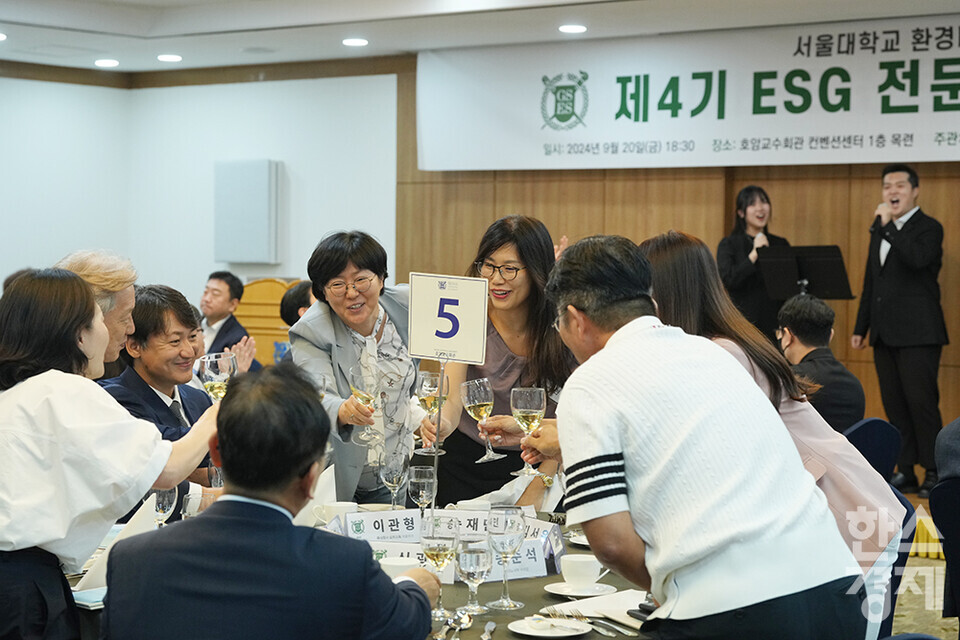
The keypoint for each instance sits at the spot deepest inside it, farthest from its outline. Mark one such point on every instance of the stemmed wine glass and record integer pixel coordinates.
(528, 405)
(166, 500)
(506, 528)
(438, 541)
(215, 371)
(366, 389)
(431, 397)
(474, 561)
(393, 469)
(477, 398)
(422, 485)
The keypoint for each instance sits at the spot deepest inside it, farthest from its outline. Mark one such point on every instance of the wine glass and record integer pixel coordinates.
(215, 371)
(166, 500)
(474, 561)
(366, 389)
(192, 506)
(393, 472)
(438, 541)
(422, 485)
(477, 398)
(528, 405)
(506, 528)
(430, 397)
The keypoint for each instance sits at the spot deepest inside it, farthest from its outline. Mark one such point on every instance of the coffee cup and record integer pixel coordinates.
(580, 570)
(333, 509)
(395, 566)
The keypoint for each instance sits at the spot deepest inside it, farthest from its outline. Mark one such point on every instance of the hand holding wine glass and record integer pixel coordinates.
(477, 398)
(439, 536)
(215, 371)
(528, 405)
(431, 396)
(365, 385)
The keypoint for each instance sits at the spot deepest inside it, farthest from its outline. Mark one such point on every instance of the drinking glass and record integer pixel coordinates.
(506, 529)
(215, 371)
(477, 398)
(422, 485)
(438, 541)
(192, 505)
(393, 470)
(474, 560)
(366, 389)
(431, 397)
(528, 405)
(166, 500)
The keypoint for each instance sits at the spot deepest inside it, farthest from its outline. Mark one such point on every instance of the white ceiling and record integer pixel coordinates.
(74, 33)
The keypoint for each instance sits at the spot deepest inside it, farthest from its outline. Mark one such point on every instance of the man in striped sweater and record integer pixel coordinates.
(681, 472)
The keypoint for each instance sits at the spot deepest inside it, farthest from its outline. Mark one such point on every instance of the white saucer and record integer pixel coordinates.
(373, 506)
(523, 627)
(580, 540)
(564, 589)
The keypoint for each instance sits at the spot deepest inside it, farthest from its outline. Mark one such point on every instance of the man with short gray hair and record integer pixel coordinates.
(681, 472)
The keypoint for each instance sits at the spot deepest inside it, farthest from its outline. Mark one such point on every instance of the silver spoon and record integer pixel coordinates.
(464, 621)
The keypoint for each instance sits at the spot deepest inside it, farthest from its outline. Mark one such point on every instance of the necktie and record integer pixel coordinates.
(178, 411)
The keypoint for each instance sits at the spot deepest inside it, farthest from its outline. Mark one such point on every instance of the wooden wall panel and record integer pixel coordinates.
(571, 205)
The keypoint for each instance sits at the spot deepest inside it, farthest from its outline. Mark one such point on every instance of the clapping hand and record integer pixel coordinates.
(245, 350)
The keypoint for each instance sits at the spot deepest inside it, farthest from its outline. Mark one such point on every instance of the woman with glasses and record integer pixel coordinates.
(515, 255)
(689, 295)
(358, 320)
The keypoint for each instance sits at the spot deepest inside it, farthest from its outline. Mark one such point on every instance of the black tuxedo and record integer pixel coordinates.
(900, 308)
(139, 398)
(241, 570)
(840, 399)
(230, 333)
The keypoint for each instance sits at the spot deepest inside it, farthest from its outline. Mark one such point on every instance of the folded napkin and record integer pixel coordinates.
(614, 604)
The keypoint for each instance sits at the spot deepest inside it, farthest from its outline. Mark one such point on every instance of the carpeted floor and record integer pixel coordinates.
(921, 601)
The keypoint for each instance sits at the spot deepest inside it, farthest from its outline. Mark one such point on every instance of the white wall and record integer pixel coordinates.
(135, 169)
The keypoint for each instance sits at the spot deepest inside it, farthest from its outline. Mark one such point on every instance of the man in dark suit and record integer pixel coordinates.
(241, 569)
(900, 307)
(162, 352)
(221, 329)
(806, 328)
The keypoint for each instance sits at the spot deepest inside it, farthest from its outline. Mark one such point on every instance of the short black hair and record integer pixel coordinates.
(233, 282)
(606, 277)
(331, 256)
(902, 168)
(296, 297)
(153, 301)
(272, 428)
(809, 318)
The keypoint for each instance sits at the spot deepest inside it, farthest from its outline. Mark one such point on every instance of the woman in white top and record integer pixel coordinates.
(73, 459)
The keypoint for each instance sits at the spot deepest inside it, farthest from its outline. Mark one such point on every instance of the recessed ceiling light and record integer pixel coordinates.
(572, 28)
(169, 57)
(355, 42)
(3, 37)
(107, 63)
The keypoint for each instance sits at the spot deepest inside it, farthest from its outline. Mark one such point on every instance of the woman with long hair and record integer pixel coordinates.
(689, 295)
(73, 459)
(515, 255)
(737, 259)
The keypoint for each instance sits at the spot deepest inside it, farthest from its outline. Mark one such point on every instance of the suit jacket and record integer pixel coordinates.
(241, 570)
(900, 303)
(948, 451)
(139, 398)
(230, 334)
(745, 284)
(840, 399)
(322, 346)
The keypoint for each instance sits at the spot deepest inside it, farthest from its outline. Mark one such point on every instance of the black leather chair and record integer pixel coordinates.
(878, 441)
(909, 525)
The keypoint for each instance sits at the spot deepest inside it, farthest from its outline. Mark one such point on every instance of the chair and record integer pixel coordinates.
(878, 441)
(906, 541)
(945, 509)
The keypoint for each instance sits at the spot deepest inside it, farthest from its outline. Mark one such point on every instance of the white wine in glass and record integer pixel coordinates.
(431, 396)
(215, 371)
(366, 389)
(439, 536)
(477, 398)
(528, 405)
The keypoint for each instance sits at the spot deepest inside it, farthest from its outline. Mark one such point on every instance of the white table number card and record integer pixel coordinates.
(448, 318)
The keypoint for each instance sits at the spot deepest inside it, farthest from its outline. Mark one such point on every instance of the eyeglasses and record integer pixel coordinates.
(507, 272)
(360, 285)
(556, 322)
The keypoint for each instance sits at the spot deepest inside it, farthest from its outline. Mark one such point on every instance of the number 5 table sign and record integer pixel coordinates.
(448, 318)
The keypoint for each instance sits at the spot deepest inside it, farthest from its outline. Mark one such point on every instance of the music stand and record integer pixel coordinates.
(816, 270)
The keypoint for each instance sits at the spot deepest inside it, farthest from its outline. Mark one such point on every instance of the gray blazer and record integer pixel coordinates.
(322, 346)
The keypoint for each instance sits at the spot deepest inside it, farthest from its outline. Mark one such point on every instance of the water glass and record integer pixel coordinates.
(422, 485)
(506, 528)
(474, 561)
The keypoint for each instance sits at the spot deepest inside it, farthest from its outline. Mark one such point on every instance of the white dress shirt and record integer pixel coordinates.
(210, 332)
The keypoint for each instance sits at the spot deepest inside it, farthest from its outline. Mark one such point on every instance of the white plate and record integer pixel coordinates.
(373, 506)
(580, 540)
(564, 589)
(523, 627)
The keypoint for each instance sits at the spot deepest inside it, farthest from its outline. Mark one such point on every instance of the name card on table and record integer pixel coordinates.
(550, 538)
(384, 526)
(448, 318)
(528, 562)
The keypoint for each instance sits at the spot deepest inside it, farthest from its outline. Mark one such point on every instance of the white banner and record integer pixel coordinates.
(856, 92)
